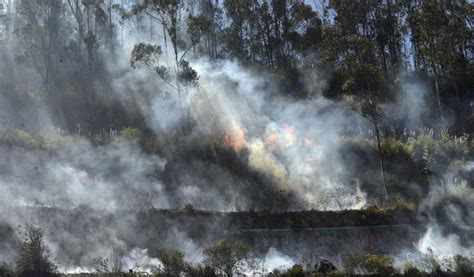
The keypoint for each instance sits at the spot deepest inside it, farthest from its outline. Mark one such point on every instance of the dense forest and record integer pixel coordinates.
(208, 127)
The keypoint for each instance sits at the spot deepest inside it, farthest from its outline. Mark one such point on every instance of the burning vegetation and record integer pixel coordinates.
(227, 138)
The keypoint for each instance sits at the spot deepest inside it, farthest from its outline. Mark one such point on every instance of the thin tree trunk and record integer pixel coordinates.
(438, 97)
(382, 166)
(461, 110)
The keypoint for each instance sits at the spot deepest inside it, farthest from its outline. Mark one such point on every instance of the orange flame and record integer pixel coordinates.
(235, 138)
(289, 134)
(271, 140)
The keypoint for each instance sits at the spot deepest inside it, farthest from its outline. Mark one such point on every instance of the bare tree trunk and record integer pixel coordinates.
(437, 94)
(382, 167)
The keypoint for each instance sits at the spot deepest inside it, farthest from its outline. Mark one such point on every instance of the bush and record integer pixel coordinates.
(295, 271)
(225, 256)
(34, 258)
(431, 264)
(392, 146)
(200, 271)
(6, 271)
(411, 271)
(20, 138)
(368, 264)
(463, 266)
(173, 263)
(131, 133)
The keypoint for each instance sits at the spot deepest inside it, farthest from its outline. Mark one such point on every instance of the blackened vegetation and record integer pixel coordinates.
(257, 190)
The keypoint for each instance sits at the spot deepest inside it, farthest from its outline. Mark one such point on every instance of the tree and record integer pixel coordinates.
(356, 48)
(34, 258)
(181, 74)
(208, 22)
(441, 32)
(225, 256)
(92, 20)
(39, 26)
(371, 110)
(425, 23)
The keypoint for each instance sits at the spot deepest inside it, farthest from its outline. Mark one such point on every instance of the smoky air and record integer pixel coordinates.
(230, 138)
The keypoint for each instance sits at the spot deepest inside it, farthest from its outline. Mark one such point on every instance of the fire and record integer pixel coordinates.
(271, 140)
(235, 138)
(289, 132)
(284, 136)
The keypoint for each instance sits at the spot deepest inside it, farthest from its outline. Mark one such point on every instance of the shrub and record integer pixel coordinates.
(173, 263)
(463, 266)
(6, 271)
(200, 271)
(430, 263)
(368, 264)
(131, 133)
(101, 264)
(225, 256)
(375, 264)
(391, 146)
(295, 271)
(34, 258)
(20, 138)
(276, 272)
(412, 271)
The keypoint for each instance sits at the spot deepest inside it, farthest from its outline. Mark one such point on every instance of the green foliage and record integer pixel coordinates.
(34, 258)
(145, 54)
(20, 138)
(198, 26)
(438, 151)
(371, 110)
(368, 264)
(187, 75)
(225, 256)
(392, 146)
(295, 271)
(131, 133)
(463, 266)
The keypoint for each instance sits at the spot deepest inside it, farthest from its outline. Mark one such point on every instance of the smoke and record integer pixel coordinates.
(139, 260)
(104, 177)
(236, 141)
(449, 207)
(295, 143)
(282, 145)
(277, 260)
(411, 108)
(452, 244)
